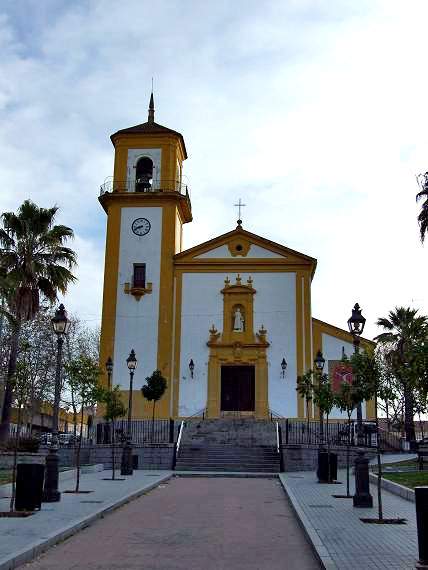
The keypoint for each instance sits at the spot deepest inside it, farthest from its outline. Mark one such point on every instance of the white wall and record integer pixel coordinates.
(274, 307)
(255, 252)
(332, 350)
(137, 321)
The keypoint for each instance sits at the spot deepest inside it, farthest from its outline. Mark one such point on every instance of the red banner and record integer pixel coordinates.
(339, 372)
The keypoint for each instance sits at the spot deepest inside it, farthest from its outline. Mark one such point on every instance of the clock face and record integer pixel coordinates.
(141, 226)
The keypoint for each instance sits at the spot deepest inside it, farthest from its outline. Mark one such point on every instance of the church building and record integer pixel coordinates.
(227, 322)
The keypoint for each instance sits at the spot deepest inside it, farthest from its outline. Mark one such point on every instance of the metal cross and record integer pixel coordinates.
(239, 205)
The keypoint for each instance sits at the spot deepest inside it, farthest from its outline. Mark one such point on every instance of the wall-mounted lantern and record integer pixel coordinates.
(283, 367)
(191, 367)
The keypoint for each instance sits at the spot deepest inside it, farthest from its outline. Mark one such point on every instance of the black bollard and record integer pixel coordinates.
(362, 497)
(421, 498)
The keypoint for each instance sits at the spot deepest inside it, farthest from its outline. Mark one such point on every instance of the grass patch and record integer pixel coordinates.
(5, 477)
(410, 480)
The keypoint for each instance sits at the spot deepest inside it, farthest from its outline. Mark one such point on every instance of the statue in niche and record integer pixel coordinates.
(238, 320)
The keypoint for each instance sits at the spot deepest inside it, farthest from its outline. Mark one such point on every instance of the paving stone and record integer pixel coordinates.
(350, 543)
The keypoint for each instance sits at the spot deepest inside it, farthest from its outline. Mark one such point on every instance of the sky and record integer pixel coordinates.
(313, 113)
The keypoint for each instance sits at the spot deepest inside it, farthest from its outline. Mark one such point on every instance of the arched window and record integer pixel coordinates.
(144, 175)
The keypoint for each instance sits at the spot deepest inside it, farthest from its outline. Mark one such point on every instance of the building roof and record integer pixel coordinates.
(150, 128)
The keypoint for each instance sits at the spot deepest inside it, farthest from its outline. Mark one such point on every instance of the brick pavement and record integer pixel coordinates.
(193, 523)
(348, 542)
(22, 538)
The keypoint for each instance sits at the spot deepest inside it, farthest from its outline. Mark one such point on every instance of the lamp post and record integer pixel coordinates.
(109, 368)
(319, 363)
(283, 367)
(126, 467)
(60, 325)
(356, 324)
(191, 367)
(107, 437)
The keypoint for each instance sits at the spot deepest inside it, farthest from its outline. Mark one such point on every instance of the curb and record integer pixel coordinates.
(36, 548)
(314, 540)
(394, 488)
(235, 474)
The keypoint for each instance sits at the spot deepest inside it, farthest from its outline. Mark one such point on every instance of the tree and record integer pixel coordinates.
(404, 332)
(83, 376)
(423, 214)
(153, 390)
(324, 398)
(347, 399)
(305, 389)
(34, 264)
(114, 409)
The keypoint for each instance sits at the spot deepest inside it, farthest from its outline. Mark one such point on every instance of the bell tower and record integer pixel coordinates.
(146, 204)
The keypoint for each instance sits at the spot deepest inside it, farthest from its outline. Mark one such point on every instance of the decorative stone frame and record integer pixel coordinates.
(238, 348)
(239, 247)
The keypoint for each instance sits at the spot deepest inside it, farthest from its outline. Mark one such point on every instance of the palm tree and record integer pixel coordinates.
(34, 265)
(423, 214)
(404, 330)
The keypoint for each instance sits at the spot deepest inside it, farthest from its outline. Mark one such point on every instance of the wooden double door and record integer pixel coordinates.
(237, 388)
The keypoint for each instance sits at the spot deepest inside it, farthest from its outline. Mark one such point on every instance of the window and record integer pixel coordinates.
(139, 275)
(144, 175)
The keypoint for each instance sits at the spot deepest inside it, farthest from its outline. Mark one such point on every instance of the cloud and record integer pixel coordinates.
(312, 112)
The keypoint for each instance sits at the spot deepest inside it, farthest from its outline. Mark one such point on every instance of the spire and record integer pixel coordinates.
(151, 118)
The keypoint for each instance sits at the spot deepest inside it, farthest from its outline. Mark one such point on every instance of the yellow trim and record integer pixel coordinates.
(299, 342)
(177, 346)
(111, 269)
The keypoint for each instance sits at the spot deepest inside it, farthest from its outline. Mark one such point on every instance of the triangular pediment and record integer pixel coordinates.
(242, 247)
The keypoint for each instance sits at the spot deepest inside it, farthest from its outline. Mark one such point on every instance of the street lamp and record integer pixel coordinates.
(356, 324)
(60, 326)
(319, 363)
(107, 435)
(109, 368)
(126, 467)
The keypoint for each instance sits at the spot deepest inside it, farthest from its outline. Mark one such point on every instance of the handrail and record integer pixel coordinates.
(275, 415)
(180, 433)
(113, 186)
(200, 413)
(277, 438)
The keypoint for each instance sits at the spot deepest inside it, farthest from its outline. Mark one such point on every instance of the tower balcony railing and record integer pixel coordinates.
(153, 187)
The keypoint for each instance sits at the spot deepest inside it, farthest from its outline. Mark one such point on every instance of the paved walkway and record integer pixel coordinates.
(193, 523)
(342, 539)
(22, 538)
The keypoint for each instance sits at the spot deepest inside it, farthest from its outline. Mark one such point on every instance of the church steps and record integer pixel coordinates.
(229, 444)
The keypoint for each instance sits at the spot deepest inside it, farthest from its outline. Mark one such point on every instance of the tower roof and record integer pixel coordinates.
(150, 128)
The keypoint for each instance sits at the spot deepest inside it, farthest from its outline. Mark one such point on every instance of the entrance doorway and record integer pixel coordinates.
(237, 388)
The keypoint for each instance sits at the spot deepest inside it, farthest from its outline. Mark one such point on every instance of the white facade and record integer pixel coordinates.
(274, 308)
(136, 323)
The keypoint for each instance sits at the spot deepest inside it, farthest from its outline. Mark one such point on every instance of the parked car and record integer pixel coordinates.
(68, 439)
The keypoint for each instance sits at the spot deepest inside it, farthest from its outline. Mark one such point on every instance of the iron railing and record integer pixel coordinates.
(336, 433)
(142, 431)
(113, 186)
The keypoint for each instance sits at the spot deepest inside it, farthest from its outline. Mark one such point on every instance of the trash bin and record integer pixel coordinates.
(29, 486)
(135, 462)
(323, 467)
